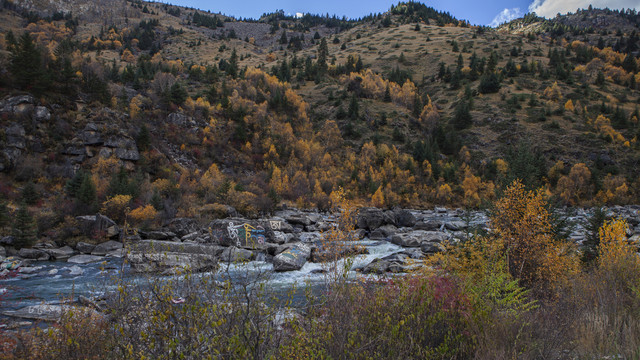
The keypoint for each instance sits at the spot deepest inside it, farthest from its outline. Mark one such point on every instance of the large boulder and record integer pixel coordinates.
(106, 248)
(12, 104)
(48, 312)
(376, 266)
(428, 225)
(62, 253)
(283, 238)
(124, 148)
(337, 250)
(293, 258)
(92, 225)
(383, 232)
(159, 235)
(416, 238)
(156, 256)
(431, 247)
(182, 226)
(41, 113)
(233, 254)
(400, 262)
(34, 254)
(84, 259)
(455, 225)
(404, 218)
(279, 224)
(299, 219)
(370, 218)
(242, 233)
(85, 248)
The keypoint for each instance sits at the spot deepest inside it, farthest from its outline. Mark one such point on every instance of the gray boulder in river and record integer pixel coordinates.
(155, 256)
(293, 258)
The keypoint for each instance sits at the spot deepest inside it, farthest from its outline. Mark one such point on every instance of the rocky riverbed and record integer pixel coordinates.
(288, 245)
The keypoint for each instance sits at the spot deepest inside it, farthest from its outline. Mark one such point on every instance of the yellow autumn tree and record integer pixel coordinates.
(523, 226)
(143, 214)
(471, 186)
(618, 262)
(568, 106)
(575, 187)
(614, 190)
(603, 125)
(502, 167)
(127, 56)
(377, 199)
(553, 92)
(444, 193)
(116, 207)
(136, 105)
(556, 171)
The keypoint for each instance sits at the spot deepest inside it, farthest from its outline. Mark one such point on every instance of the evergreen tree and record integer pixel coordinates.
(283, 38)
(87, 192)
(462, 117)
(4, 215)
(592, 241)
(120, 184)
(144, 138)
(178, 94)
(493, 62)
(417, 105)
(456, 78)
(11, 41)
(600, 78)
(489, 83)
(74, 183)
(323, 55)
(232, 67)
(387, 94)
(26, 65)
(354, 108)
(630, 64)
(29, 194)
(386, 22)
(24, 228)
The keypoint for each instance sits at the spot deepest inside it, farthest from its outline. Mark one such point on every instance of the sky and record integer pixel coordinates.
(489, 12)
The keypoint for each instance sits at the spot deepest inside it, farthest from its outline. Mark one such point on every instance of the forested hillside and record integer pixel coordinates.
(172, 112)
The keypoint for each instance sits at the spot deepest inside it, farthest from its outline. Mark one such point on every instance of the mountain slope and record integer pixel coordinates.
(189, 111)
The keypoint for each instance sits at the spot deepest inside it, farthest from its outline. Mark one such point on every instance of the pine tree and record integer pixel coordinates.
(417, 105)
(178, 94)
(323, 55)
(592, 241)
(387, 95)
(354, 108)
(24, 228)
(26, 65)
(87, 191)
(74, 183)
(29, 194)
(144, 138)
(462, 117)
(232, 68)
(600, 78)
(4, 215)
(283, 38)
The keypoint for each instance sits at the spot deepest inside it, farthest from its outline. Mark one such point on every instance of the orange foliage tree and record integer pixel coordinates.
(575, 187)
(523, 227)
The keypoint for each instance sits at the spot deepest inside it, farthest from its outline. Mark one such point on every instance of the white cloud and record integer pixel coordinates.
(549, 8)
(299, 15)
(506, 15)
